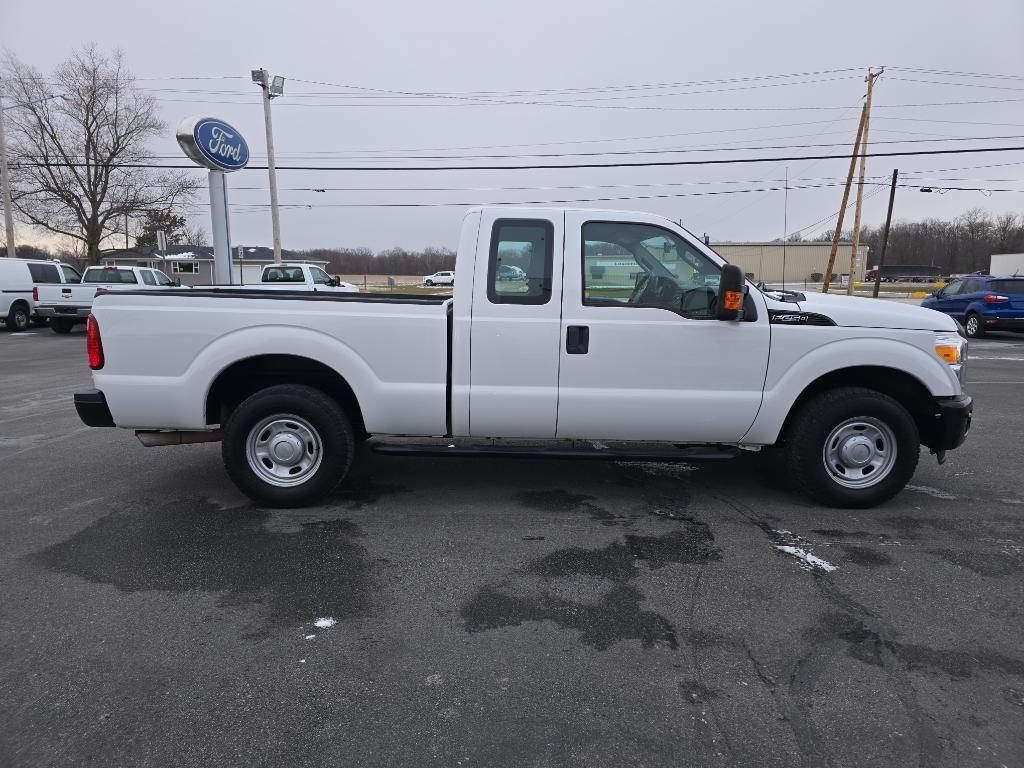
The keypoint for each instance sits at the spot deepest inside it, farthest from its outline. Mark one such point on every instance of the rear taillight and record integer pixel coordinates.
(35, 294)
(992, 298)
(93, 343)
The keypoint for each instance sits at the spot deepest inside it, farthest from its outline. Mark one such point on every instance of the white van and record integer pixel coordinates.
(18, 278)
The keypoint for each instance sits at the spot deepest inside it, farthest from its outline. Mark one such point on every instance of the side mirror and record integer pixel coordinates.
(730, 293)
(335, 282)
(177, 282)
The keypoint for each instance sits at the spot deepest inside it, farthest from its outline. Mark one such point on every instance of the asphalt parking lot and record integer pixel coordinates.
(489, 613)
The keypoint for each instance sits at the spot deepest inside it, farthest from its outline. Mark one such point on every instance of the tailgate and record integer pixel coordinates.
(70, 296)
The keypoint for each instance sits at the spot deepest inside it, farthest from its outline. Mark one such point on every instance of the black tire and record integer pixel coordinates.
(429, 282)
(60, 325)
(18, 318)
(973, 320)
(803, 449)
(310, 405)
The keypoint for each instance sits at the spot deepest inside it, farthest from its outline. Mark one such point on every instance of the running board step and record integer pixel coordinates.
(687, 453)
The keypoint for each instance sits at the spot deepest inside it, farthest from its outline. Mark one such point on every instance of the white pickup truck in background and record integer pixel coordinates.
(623, 327)
(299, 275)
(70, 304)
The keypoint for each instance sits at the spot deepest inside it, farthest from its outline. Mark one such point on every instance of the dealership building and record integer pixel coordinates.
(794, 263)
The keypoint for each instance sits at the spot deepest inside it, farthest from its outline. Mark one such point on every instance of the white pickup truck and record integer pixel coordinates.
(69, 304)
(298, 275)
(624, 328)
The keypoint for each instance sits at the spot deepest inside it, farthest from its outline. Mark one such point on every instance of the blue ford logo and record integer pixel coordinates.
(213, 143)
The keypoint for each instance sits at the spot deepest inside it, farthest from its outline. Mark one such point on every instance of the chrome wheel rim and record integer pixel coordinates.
(860, 452)
(972, 325)
(284, 450)
(20, 321)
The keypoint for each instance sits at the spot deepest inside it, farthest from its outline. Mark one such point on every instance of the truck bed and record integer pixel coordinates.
(169, 346)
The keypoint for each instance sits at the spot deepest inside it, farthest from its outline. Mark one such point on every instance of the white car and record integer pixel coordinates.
(440, 278)
(20, 280)
(844, 390)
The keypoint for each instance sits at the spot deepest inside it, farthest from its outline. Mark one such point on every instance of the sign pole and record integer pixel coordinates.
(5, 182)
(221, 230)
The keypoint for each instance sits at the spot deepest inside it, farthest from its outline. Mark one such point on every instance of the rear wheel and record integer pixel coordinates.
(288, 445)
(973, 326)
(851, 447)
(62, 326)
(18, 318)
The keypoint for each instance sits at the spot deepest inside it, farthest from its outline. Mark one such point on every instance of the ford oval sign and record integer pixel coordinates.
(213, 143)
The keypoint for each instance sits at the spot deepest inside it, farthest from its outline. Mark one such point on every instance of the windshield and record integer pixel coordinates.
(109, 275)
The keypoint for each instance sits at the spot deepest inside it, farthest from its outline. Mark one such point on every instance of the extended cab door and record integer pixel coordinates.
(642, 357)
(514, 342)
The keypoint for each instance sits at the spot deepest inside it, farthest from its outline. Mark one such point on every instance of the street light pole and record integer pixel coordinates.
(271, 89)
(5, 182)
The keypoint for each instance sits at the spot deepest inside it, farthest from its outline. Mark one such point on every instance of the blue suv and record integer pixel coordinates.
(982, 303)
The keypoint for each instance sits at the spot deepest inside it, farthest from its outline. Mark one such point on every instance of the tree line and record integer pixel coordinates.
(393, 261)
(960, 245)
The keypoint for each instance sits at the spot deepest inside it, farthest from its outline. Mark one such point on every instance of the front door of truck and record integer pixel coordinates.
(514, 342)
(642, 357)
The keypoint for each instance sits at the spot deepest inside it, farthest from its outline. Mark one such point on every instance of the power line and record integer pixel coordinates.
(565, 166)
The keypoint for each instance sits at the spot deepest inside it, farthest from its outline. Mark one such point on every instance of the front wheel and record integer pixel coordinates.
(429, 283)
(851, 447)
(973, 326)
(288, 445)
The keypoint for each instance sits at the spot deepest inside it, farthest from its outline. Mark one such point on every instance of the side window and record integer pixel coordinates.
(971, 286)
(147, 277)
(953, 288)
(162, 279)
(44, 273)
(642, 265)
(520, 263)
(319, 276)
(70, 274)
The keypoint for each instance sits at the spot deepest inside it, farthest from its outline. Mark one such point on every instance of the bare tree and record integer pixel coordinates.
(77, 139)
(196, 237)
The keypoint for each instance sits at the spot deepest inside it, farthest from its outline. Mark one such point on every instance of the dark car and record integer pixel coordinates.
(982, 303)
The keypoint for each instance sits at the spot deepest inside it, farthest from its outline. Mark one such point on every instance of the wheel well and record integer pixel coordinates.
(246, 377)
(899, 385)
(19, 303)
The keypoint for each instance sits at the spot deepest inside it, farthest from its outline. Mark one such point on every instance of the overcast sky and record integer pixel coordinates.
(463, 48)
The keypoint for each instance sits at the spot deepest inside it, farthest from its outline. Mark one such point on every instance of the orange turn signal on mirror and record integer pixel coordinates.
(948, 353)
(732, 300)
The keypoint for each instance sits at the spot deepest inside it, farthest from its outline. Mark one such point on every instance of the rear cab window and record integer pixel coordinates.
(109, 275)
(283, 275)
(520, 263)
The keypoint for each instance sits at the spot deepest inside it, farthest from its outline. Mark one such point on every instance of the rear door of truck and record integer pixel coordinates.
(516, 324)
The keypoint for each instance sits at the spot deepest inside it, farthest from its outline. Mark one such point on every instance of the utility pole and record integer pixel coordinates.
(5, 182)
(860, 183)
(842, 207)
(885, 235)
(271, 88)
(785, 228)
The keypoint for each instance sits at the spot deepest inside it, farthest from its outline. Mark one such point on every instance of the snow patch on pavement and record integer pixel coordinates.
(324, 623)
(657, 469)
(807, 560)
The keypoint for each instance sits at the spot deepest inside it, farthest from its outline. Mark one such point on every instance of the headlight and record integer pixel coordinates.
(952, 349)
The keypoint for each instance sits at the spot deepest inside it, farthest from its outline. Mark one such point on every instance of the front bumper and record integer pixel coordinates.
(93, 410)
(71, 313)
(952, 422)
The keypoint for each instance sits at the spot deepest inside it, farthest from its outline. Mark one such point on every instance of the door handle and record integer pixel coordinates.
(577, 339)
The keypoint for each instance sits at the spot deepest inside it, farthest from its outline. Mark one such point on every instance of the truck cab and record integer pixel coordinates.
(301, 276)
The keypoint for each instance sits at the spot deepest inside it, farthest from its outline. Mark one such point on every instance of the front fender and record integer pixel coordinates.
(790, 374)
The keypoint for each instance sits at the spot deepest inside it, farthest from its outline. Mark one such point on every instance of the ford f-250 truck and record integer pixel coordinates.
(625, 328)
